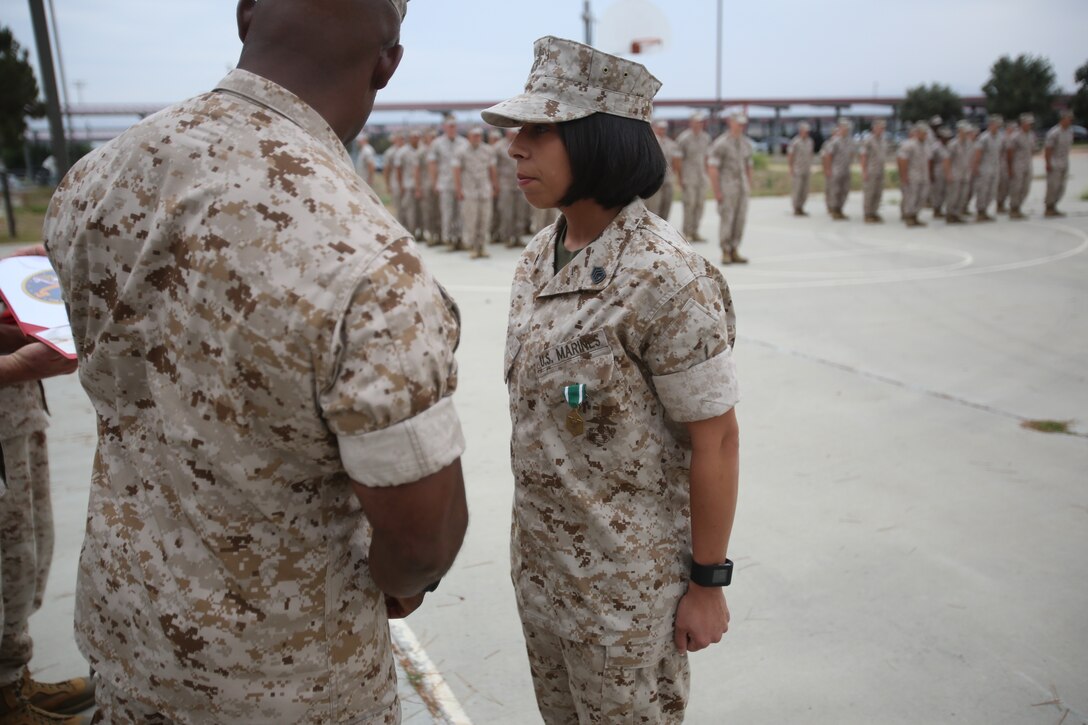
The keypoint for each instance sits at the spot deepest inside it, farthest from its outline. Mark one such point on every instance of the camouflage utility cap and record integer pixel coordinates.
(570, 81)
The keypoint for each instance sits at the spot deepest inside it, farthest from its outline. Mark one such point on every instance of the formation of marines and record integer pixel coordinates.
(461, 191)
(939, 168)
(455, 191)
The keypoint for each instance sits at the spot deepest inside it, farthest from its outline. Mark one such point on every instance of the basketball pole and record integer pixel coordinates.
(587, 17)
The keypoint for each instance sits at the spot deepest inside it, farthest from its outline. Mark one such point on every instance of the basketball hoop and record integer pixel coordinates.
(633, 27)
(640, 45)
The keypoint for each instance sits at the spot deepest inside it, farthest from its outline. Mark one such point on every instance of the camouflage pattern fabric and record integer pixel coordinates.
(841, 150)
(989, 146)
(1059, 141)
(661, 202)
(1022, 145)
(874, 151)
(26, 525)
(647, 325)
(913, 184)
(802, 152)
(255, 331)
(577, 682)
(570, 80)
(694, 148)
(732, 156)
(475, 164)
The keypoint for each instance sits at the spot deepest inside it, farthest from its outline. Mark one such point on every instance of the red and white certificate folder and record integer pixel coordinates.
(31, 290)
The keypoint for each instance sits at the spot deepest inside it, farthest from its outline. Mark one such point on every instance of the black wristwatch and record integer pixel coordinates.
(716, 575)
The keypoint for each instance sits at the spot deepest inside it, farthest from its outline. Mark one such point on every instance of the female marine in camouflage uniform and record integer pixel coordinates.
(620, 371)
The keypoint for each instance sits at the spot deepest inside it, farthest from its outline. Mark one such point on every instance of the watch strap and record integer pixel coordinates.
(714, 575)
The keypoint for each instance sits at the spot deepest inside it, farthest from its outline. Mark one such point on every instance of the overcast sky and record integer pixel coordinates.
(159, 51)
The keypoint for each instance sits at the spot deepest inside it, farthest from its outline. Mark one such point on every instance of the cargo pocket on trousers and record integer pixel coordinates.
(645, 682)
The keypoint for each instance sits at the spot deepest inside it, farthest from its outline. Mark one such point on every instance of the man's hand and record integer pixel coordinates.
(701, 618)
(34, 362)
(401, 607)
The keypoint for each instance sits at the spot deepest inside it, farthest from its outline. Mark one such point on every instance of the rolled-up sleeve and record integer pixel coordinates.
(690, 352)
(389, 404)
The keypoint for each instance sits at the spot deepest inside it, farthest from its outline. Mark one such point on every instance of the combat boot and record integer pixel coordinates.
(1016, 214)
(983, 217)
(1000, 208)
(954, 219)
(16, 709)
(877, 219)
(63, 698)
(737, 259)
(1052, 211)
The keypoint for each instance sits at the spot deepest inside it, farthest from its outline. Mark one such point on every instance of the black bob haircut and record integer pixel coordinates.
(612, 160)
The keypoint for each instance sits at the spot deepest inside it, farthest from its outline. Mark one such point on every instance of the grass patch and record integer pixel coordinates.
(1084, 195)
(30, 206)
(1047, 426)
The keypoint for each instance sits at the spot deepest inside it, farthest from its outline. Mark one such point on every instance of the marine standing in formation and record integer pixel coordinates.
(938, 171)
(984, 167)
(838, 154)
(799, 159)
(661, 202)
(693, 144)
(872, 160)
(476, 184)
(729, 163)
(410, 179)
(1021, 148)
(957, 172)
(1059, 140)
(1003, 178)
(440, 164)
(913, 171)
(278, 460)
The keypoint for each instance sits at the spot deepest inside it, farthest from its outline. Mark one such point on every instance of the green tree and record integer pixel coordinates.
(923, 102)
(19, 99)
(1080, 99)
(1023, 85)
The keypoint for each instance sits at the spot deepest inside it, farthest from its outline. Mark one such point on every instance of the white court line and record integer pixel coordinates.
(431, 686)
(949, 272)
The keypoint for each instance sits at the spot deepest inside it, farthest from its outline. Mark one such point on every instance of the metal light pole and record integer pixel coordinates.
(718, 67)
(587, 18)
(49, 83)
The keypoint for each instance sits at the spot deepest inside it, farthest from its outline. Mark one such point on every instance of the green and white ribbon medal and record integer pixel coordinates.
(575, 395)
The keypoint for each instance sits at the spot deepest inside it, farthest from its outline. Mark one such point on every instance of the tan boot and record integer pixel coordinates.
(15, 709)
(737, 259)
(64, 698)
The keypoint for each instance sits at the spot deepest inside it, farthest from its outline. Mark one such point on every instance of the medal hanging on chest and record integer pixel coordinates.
(575, 395)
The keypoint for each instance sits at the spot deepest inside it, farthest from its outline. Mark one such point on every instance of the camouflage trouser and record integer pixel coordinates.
(694, 198)
(732, 215)
(957, 197)
(409, 211)
(590, 684)
(938, 193)
(450, 213)
(1055, 185)
(661, 202)
(1019, 185)
(508, 214)
(800, 182)
(872, 191)
(1002, 185)
(522, 214)
(476, 222)
(838, 188)
(913, 196)
(26, 546)
(432, 219)
(394, 199)
(114, 708)
(985, 191)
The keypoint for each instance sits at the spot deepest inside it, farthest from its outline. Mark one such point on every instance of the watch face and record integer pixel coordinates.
(721, 576)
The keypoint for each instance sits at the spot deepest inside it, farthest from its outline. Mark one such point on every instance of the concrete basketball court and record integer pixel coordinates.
(906, 551)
